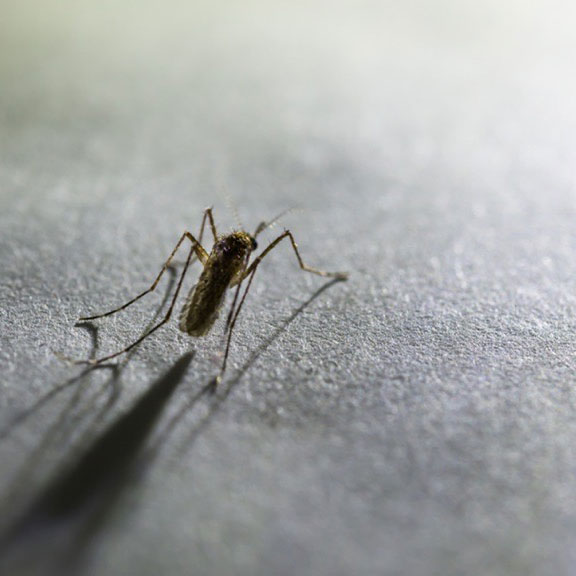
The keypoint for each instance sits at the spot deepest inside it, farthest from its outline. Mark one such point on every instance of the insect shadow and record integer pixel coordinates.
(57, 529)
(55, 533)
(228, 265)
(84, 411)
(223, 394)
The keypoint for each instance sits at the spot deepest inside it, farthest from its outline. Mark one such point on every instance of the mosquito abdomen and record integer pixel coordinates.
(202, 308)
(205, 299)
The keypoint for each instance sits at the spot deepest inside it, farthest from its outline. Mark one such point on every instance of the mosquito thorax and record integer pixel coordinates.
(237, 243)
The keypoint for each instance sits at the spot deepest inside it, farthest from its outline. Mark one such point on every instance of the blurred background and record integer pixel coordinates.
(415, 420)
(200, 95)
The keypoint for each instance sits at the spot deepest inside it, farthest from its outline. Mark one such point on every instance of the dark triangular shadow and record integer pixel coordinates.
(64, 517)
(221, 392)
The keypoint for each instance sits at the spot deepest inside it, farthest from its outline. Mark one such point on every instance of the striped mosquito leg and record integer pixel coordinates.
(157, 326)
(201, 254)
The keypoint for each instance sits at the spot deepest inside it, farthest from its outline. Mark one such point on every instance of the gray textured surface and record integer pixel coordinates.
(416, 420)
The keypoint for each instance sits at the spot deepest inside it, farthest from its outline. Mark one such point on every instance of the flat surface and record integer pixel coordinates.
(418, 419)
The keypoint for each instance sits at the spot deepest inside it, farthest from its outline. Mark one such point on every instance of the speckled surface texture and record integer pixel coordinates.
(416, 420)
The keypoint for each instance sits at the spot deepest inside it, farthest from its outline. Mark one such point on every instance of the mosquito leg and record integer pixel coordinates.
(232, 308)
(274, 243)
(231, 322)
(249, 273)
(197, 248)
(208, 214)
(94, 362)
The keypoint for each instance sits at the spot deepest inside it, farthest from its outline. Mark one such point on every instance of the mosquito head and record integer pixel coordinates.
(238, 244)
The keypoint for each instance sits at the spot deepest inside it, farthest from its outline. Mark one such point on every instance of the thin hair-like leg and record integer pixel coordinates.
(149, 332)
(200, 253)
(208, 214)
(237, 292)
(249, 273)
(231, 322)
(274, 243)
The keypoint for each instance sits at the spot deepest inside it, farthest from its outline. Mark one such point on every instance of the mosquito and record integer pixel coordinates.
(226, 266)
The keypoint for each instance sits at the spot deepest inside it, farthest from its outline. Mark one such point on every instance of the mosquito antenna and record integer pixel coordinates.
(230, 204)
(264, 225)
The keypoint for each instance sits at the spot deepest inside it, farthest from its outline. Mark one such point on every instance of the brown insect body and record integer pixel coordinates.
(227, 265)
(223, 269)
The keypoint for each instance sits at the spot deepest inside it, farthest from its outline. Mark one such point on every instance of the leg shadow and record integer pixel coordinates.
(79, 413)
(220, 395)
(274, 336)
(53, 536)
